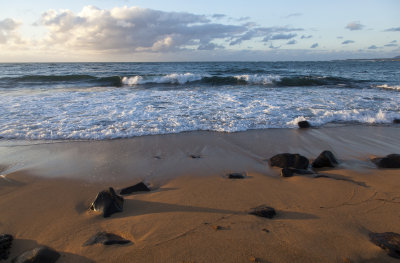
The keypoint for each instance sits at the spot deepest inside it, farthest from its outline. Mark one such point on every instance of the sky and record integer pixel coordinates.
(207, 30)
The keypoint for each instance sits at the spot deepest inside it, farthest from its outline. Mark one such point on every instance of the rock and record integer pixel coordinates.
(325, 159)
(5, 246)
(388, 241)
(390, 161)
(140, 187)
(263, 211)
(195, 156)
(38, 255)
(288, 160)
(304, 124)
(108, 202)
(287, 172)
(396, 121)
(106, 239)
(236, 176)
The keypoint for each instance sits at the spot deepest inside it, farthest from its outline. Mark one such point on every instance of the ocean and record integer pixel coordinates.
(97, 101)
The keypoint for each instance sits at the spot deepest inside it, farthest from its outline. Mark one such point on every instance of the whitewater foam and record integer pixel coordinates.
(386, 86)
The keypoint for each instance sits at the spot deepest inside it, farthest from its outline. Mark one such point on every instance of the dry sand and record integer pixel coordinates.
(194, 213)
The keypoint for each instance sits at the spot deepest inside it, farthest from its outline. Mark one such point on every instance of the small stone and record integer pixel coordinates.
(236, 176)
(195, 156)
(286, 172)
(253, 259)
(106, 239)
(5, 245)
(325, 159)
(216, 227)
(289, 160)
(304, 124)
(38, 255)
(139, 187)
(390, 161)
(265, 230)
(388, 241)
(108, 202)
(263, 211)
(396, 121)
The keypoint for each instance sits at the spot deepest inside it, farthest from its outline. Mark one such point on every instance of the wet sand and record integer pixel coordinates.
(194, 213)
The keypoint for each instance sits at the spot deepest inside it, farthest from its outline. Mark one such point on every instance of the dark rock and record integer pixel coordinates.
(325, 159)
(390, 161)
(396, 121)
(5, 246)
(195, 156)
(288, 160)
(388, 241)
(106, 239)
(286, 172)
(38, 255)
(303, 124)
(263, 211)
(140, 187)
(108, 202)
(236, 176)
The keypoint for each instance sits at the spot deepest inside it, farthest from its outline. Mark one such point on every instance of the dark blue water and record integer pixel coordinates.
(114, 100)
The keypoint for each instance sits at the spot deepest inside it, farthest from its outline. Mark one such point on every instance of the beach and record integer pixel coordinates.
(194, 213)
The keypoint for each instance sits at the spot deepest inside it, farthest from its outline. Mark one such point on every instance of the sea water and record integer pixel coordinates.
(53, 101)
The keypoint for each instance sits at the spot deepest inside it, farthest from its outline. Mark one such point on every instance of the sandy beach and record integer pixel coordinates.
(194, 213)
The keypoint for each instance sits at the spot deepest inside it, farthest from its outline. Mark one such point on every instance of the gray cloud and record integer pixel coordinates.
(293, 15)
(7, 30)
(291, 42)
(339, 37)
(314, 45)
(347, 42)
(355, 25)
(279, 36)
(391, 45)
(393, 29)
(266, 32)
(135, 29)
(218, 16)
(373, 47)
(306, 37)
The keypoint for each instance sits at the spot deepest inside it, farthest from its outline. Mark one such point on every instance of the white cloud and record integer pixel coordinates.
(8, 32)
(355, 25)
(134, 29)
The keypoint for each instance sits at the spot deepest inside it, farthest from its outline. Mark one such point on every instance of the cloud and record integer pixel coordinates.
(279, 36)
(134, 29)
(314, 45)
(267, 33)
(373, 47)
(393, 29)
(291, 42)
(339, 37)
(218, 16)
(355, 25)
(8, 28)
(347, 42)
(293, 15)
(394, 41)
(306, 37)
(391, 45)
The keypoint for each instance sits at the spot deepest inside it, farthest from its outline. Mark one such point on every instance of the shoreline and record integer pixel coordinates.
(194, 213)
